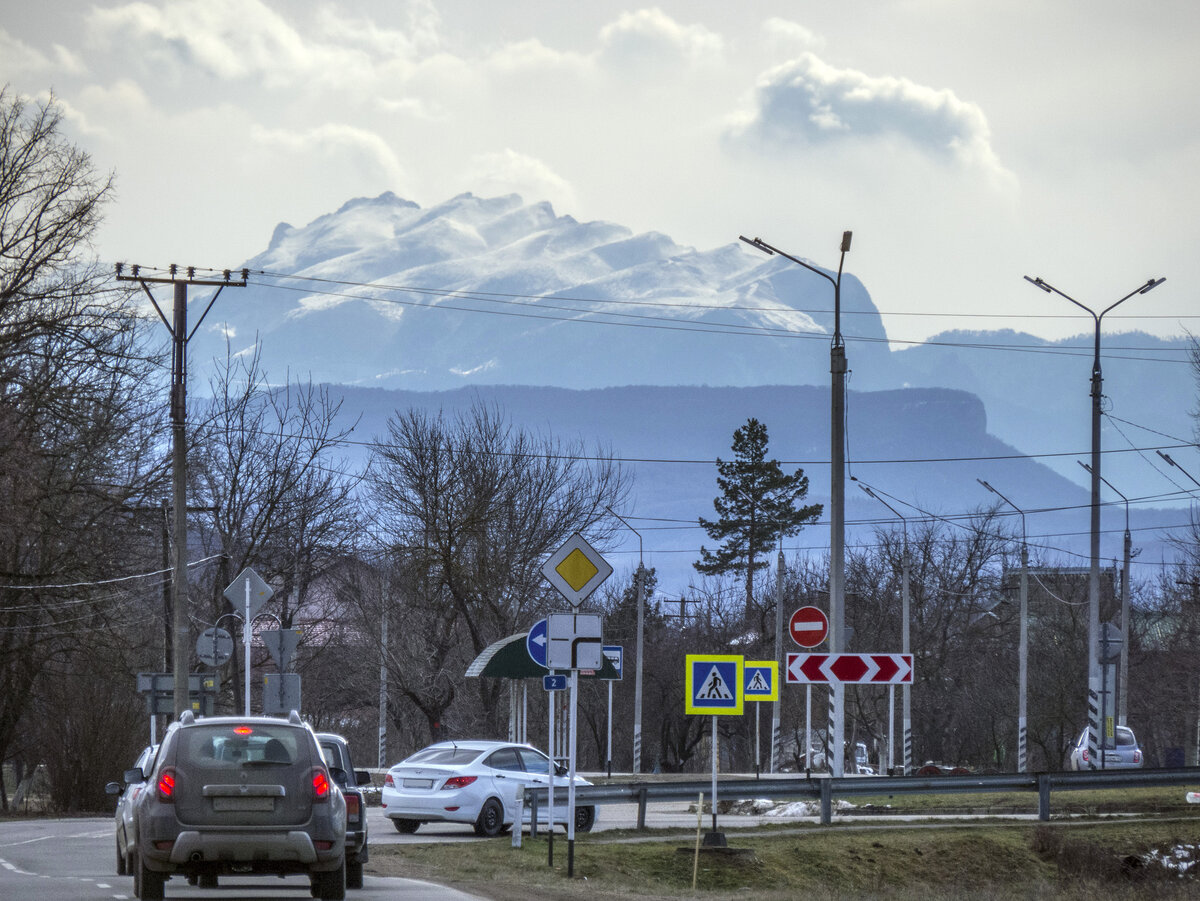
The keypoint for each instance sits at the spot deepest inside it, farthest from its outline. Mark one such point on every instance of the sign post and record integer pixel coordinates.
(615, 654)
(760, 683)
(809, 627)
(576, 570)
(251, 592)
(715, 687)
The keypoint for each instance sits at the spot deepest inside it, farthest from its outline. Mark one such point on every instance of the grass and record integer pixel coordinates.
(1067, 859)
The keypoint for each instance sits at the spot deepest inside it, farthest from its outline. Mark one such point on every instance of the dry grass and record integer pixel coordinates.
(994, 861)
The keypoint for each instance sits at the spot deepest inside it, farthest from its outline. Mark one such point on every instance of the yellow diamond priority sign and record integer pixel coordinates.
(576, 569)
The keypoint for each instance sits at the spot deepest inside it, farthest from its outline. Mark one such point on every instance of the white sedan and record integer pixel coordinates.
(475, 782)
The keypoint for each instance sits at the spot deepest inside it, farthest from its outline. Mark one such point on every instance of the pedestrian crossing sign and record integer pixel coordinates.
(714, 684)
(761, 680)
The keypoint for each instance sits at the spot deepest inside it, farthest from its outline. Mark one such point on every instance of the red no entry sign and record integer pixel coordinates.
(808, 627)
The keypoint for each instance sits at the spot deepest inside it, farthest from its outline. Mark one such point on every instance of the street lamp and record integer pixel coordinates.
(1093, 706)
(837, 486)
(637, 671)
(1167, 457)
(1023, 642)
(906, 694)
(1123, 697)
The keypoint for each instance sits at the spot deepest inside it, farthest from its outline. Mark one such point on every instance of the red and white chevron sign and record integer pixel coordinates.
(857, 669)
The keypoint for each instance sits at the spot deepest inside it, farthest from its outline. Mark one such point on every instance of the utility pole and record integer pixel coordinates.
(180, 336)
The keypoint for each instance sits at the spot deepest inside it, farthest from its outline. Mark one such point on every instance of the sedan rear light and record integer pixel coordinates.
(320, 784)
(166, 785)
(388, 780)
(1137, 756)
(459, 782)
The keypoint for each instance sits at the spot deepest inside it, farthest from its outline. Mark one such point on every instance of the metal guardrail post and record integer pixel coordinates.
(826, 801)
(1043, 781)
(643, 796)
(533, 814)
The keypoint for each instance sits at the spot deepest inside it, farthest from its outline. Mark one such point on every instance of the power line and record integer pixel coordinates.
(635, 320)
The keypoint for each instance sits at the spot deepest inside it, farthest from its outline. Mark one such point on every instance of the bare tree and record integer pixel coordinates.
(473, 506)
(76, 442)
(282, 498)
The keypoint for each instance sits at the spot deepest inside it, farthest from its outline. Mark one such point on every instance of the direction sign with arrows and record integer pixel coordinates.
(857, 669)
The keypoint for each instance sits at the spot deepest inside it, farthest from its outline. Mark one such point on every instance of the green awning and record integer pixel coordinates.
(509, 658)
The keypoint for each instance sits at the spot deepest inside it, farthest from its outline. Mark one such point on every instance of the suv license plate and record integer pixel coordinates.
(226, 805)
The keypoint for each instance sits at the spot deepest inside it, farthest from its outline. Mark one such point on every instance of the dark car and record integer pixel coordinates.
(238, 795)
(337, 755)
(126, 794)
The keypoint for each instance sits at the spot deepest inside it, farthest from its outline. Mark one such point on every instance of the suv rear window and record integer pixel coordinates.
(239, 745)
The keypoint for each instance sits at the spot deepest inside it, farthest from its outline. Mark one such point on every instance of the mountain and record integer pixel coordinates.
(495, 291)
(660, 351)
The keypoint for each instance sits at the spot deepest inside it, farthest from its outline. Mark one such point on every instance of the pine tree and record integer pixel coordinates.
(756, 507)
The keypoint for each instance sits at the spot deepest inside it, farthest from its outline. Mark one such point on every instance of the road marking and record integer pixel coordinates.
(14, 869)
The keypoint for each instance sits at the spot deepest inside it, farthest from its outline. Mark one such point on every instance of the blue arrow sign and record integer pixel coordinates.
(535, 642)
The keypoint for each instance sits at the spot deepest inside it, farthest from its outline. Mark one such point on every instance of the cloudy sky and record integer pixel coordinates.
(965, 142)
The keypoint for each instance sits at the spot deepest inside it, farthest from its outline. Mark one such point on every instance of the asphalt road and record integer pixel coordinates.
(75, 860)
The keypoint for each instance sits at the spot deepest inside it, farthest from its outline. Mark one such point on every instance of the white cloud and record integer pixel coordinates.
(239, 40)
(333, 149)
(809, 101)
(649, 39)
(509, 172)
(790, 36)
(21, 59)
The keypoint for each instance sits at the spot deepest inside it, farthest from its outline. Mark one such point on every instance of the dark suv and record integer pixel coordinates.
(239, 795)
(337, 755)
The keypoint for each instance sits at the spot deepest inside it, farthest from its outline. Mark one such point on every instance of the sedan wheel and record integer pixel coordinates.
(585, 818)
(406, 827)
(491, 819)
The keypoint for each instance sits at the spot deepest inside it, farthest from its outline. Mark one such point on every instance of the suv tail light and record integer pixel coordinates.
(166, 785)
(320, 784)
(459, 781)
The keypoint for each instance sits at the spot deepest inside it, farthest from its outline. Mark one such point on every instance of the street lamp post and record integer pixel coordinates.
(1123, 671)
(637, 671)
(837, 490)
(1093, 695)
(906, 693)
(1023, 641)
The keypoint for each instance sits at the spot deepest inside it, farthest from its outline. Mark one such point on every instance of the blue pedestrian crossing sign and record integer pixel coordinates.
(714, 684)
(760, 680)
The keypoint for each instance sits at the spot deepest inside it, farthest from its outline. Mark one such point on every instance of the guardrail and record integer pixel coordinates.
(826, 788)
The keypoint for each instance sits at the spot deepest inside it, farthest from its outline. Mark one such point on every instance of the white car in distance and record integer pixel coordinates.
(474, 782)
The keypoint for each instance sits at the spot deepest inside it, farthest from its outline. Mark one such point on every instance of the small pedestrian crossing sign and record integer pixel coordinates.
(714, 684)
(761, 680)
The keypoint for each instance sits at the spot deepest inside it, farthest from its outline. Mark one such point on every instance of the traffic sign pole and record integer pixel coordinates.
(246, 636)
(571, 778)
